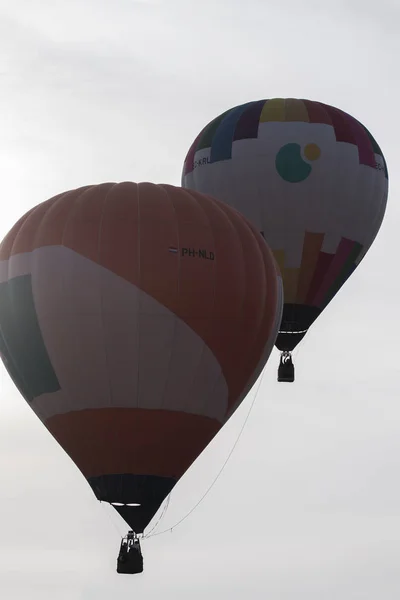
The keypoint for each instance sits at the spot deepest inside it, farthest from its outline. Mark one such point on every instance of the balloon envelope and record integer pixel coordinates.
(311, 178)
(134, 319)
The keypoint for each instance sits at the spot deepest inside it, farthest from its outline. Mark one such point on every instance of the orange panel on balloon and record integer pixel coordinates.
(131, 440)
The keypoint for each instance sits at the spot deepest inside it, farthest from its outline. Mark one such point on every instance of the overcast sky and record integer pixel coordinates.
(308, 506)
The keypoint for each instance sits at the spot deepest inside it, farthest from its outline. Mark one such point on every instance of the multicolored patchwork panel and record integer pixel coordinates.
(243, 122)
(311, 178)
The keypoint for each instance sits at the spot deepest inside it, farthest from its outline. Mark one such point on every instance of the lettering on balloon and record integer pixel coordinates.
(202, 161)
(200, 253)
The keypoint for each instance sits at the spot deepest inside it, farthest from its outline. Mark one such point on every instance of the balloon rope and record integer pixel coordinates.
(111, 521)
(150, 535)
(147, 535)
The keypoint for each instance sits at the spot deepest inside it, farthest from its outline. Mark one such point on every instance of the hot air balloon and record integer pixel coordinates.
(312, 180)
(134, 319)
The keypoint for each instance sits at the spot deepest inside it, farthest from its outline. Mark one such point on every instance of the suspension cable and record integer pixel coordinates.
(150, 535)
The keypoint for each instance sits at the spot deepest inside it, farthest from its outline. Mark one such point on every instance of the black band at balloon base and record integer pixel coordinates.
(136, 498)
(296, 320)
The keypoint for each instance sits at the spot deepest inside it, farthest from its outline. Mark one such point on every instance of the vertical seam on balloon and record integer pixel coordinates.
(334, 221)
(307, 109)
(376, 220)
(260, 195)
(268, 346)
(63, 282)
(215, 204)
(355, 180)
(244, 294)
(27, 387)
(343, 218)
(326, 189)
(33, 260)
(285, 120)
(175, 317)
(262, 233)
(204, 404)
(353, 210)
(354, 213)
(369, 194)
(139, 304)
(380, 212)
(382, 204)
(247, 228)
(204, 345)
(193, 196)
(100, 273)
(100, 232)
(278, 292)
(320, 198)
(29, 254)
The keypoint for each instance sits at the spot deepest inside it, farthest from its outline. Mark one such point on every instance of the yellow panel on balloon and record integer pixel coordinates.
(273, 110)
(295, 110)
(290, 283)
(311, 248)
(279, 256)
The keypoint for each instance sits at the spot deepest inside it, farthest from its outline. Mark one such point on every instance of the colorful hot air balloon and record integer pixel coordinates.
(134, 319)
(312, 180)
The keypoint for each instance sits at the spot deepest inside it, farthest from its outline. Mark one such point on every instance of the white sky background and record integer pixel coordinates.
(308, 506)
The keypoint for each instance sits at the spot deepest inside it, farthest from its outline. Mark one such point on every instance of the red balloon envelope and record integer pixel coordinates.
(134, 320)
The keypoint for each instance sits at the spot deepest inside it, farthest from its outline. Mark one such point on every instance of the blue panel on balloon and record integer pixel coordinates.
(221, 148)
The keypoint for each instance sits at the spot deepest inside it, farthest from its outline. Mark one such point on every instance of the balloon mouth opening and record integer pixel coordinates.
(122, 504)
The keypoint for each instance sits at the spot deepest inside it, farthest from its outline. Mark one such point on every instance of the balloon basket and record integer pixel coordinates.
(130, 557)
(286, 368)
